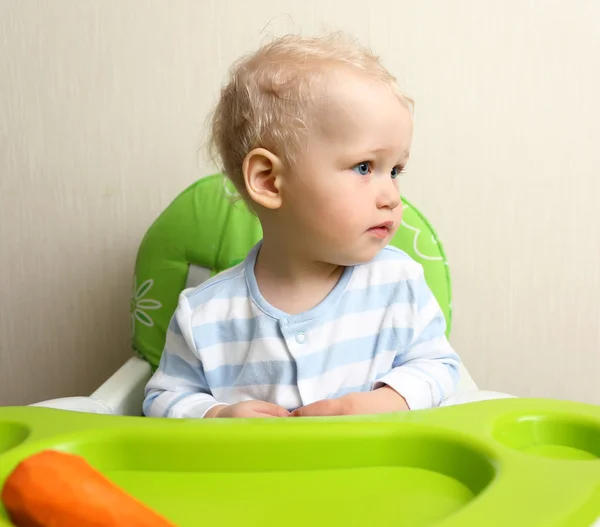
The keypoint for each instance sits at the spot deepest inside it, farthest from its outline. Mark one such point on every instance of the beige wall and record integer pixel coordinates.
(102, 102)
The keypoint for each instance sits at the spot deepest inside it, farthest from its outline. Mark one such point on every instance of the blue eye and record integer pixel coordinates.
(363, 168)
(396, 171)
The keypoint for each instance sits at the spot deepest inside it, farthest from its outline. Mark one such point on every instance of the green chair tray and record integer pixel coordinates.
(518, 462)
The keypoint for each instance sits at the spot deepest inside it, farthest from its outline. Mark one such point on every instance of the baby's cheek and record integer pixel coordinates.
(399, 211)
(343, 217)
(346, 206)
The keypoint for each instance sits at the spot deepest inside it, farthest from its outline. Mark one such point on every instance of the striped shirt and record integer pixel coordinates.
(379, 325)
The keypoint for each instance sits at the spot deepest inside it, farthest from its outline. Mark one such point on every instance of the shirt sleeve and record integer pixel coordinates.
(179, 387)
(426, 372)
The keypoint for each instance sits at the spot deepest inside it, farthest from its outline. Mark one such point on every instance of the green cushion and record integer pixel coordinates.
(205, 227)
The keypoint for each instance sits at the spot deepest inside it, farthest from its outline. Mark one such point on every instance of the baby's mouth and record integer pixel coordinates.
(382, 230)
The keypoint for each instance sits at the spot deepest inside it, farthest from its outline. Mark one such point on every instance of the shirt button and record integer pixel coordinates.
(301, 337)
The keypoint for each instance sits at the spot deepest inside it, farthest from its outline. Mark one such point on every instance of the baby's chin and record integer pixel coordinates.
(352, 258)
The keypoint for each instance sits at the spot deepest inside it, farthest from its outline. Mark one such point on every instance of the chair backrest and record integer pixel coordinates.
(203, 231)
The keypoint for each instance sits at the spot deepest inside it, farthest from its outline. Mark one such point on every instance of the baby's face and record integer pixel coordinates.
(342, 198)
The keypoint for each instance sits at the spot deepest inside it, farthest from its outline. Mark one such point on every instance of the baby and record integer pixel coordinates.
(322, 318)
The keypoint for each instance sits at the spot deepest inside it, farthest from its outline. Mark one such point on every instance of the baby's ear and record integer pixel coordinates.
(262, 176)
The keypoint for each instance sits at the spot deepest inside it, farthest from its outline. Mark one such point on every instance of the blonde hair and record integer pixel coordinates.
(269, 96)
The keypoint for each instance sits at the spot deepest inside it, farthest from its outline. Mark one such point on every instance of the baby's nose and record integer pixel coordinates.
(389, 196)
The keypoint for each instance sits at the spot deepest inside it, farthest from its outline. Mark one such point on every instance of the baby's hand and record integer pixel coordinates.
(248, 409)
(382, 400)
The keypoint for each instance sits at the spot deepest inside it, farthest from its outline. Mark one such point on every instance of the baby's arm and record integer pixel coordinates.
(426, 372)
(179, 387)
(423, 374)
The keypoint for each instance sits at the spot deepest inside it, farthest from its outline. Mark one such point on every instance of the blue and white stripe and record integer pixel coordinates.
(380, 325)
